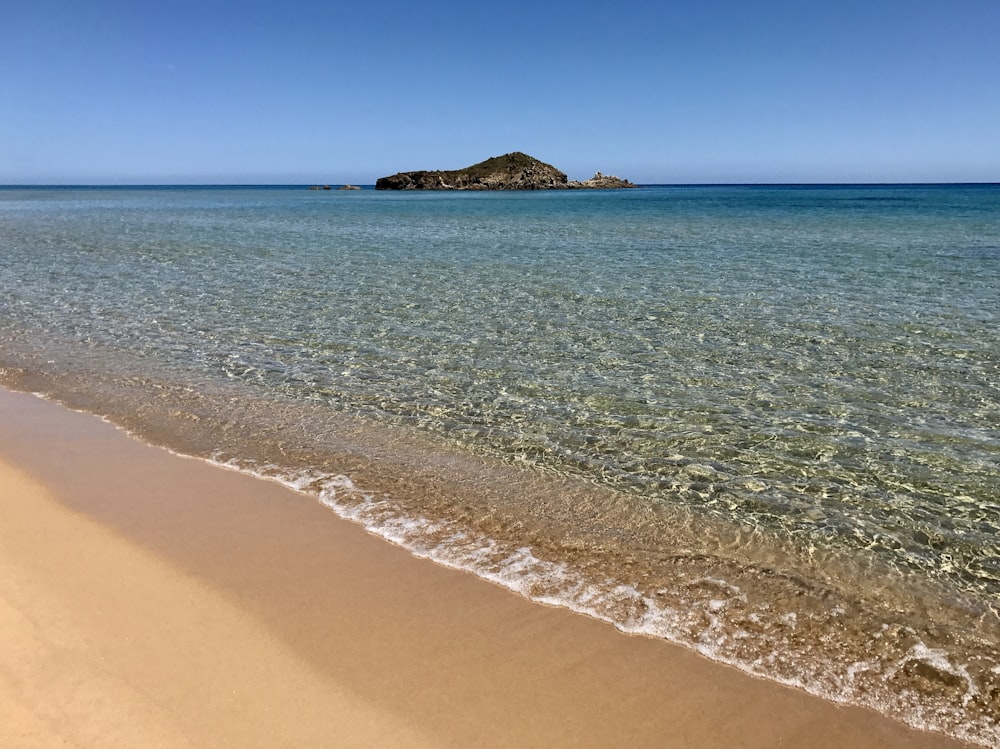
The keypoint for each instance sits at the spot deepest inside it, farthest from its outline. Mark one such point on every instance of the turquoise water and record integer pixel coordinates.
(760, 421)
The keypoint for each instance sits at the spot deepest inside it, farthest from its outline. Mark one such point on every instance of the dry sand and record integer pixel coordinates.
(149, 600)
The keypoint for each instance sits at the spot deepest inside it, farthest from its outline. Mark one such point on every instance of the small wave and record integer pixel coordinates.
(780, 631)
(708, 614)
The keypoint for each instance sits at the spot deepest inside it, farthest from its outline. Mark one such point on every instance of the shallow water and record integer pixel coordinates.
(760, 421)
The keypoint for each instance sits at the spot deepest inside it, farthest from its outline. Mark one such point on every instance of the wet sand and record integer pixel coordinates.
(157, 601)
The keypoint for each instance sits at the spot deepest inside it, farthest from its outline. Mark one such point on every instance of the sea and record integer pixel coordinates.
(759, 421)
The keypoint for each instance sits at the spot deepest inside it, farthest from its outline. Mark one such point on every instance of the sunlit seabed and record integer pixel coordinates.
(759, 421)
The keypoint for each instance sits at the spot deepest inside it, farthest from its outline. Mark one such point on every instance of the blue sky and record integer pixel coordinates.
(151, 91)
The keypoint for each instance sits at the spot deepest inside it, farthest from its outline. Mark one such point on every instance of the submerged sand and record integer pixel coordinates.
(152, 600)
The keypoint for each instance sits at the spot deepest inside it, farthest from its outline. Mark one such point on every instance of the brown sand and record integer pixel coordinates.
(149, 600)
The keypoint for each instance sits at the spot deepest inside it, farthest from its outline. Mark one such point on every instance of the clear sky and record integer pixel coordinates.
(240, 91)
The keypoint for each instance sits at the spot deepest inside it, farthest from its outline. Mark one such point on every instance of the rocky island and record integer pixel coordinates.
(512, 171)
(327, 187)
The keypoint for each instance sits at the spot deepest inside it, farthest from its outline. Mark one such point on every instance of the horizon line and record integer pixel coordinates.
(22, 185)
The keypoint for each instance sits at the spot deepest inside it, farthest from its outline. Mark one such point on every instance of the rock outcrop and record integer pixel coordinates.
(512, 171)
(327, 187)
(602, 182)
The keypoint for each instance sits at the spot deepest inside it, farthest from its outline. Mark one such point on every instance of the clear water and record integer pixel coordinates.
(760, 421)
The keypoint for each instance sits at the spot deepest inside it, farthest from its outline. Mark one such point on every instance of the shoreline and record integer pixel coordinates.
(138, 582)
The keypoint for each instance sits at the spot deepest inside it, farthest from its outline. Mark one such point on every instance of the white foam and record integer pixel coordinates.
(856, 668)
(623, 606)
(519, 569)
(939, 660)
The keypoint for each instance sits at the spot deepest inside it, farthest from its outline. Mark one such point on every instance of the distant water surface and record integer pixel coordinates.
(760, 421)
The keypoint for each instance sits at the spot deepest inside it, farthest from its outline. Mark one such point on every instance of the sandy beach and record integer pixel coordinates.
(152, 600)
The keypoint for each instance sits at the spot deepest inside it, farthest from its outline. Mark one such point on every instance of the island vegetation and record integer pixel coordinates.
(512, 171)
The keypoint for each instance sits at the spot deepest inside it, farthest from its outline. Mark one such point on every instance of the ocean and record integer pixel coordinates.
(759, 421)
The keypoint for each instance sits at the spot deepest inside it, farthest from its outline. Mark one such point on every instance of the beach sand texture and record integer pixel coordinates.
(151, 600)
